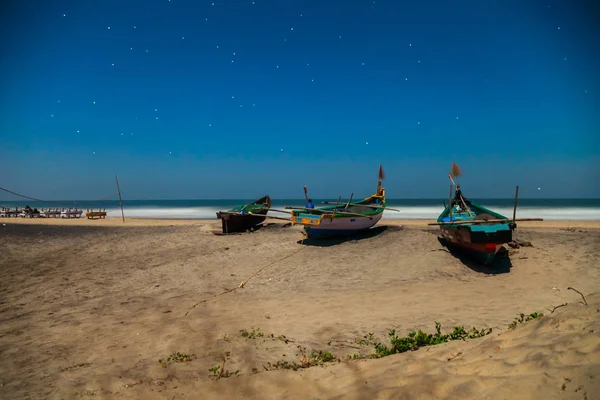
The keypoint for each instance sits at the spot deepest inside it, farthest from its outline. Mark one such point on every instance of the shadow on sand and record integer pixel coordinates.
(501, 264)
(334, 241)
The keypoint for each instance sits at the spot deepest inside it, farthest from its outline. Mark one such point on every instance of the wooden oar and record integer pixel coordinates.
(349, 201)
(364, 205)
(338, 202)
(332, 211)
(483, 221)
(306, 209)
(281, 211)
(257, 215)
(305, 193)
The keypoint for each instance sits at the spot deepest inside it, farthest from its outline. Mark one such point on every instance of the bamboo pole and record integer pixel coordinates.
(450, 201)
(364, 205)
(451, 179)
(516, 200)
(336, 206)
(349, 201)
(306, 209)
(338, 202)
(281, 211)
(483, 221)
(120, 199)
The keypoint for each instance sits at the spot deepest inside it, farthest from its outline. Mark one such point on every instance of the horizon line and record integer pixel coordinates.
(290, 198)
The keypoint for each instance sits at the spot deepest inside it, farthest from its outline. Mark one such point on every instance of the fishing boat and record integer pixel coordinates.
(245, 217)
(341, 218)
(474, 228)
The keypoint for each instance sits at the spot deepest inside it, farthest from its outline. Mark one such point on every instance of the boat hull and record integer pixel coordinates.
(232, 223)
(482, 245)
(244, 218)
(347, 226)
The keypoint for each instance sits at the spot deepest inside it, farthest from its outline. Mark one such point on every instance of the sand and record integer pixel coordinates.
(87, 309)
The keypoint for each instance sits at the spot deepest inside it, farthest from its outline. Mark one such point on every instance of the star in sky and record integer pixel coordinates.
(193, 69)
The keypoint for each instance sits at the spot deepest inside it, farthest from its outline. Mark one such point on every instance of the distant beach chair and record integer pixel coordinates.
(71, 213)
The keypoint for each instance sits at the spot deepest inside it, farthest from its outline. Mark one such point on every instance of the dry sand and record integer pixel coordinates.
(87, 308)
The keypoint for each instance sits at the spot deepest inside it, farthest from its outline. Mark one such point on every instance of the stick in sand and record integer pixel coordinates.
(120, 200)
(515, 209)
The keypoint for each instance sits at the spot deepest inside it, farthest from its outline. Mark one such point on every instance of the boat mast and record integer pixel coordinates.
(380, 179)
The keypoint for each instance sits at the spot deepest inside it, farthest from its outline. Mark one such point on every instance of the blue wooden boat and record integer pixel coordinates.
(474, 228)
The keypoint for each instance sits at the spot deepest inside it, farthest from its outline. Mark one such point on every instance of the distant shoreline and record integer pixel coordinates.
(131, 222)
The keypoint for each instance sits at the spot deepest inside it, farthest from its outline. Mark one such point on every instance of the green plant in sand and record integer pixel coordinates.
(418, 339)
(176, 358)
(219, 372)
(524, 318)
(253, 334)
(366, 340)
(315, 358)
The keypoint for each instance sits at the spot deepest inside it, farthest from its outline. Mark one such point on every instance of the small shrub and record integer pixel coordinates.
(176, 358)
(418, 339)
(524, 318)
(253, 334)
(218, 372)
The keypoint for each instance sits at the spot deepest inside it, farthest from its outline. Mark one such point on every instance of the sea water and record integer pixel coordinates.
(548, 209)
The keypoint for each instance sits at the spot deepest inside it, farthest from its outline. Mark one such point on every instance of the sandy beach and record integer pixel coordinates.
(93, 309)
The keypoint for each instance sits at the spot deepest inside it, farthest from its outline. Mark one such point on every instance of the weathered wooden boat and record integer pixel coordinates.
(245, 217)
(476, 229)
(342, 219)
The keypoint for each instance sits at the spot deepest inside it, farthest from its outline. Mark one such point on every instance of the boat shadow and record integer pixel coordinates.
(337, 240)
(501, 264)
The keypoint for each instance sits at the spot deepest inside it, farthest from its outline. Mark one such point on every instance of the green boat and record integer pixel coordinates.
(474, 228)
(245, 217)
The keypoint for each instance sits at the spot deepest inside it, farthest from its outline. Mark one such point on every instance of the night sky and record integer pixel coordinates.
(237, 98)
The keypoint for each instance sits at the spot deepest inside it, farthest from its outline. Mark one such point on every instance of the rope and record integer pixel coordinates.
(244, 282)
(56, 202)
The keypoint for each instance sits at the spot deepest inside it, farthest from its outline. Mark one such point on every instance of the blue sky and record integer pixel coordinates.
(234, 98)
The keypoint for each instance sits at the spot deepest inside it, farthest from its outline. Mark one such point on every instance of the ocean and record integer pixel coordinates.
(548, 209)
